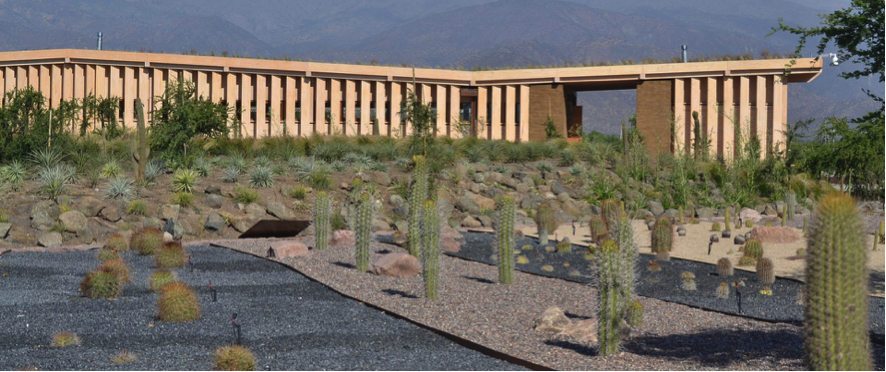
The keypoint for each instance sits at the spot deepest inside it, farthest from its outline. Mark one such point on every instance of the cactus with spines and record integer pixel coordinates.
(765, 271)
(322, 220)
(662, 238)
(882, 231)
(545, 220)
(805, 223)
(753, 248)
(417, 196)
(635, 314)
(624, 237)
(505, 238)
(597, 227)
(564, 246)
(363, 226)
(784, 215)
(726, 223)
(836, 311)
(430, 254)
(724, 267)
(791, 204)
(715, 226)
(138, 143)
(542, 236)
(723, 290)
(680, 214)
(610, 210)
(611, 306)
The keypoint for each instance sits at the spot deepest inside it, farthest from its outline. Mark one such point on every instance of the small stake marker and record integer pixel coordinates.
(711, 244)
(213, 292)
(236, 327)
(190, 264)
(271, 253)
(738, 296)
(573, 228)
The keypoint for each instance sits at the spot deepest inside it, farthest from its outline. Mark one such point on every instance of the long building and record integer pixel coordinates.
(297, 98)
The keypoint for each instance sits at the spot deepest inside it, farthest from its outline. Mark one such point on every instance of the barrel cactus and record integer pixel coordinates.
(363, 226)
(837, 331)
(597, 226)
(753, 248)
(611, 211)
(322, 220)
(766, 271)
(417, 196)
(726, 226)
(662, 238)
(724, 267)
(430, 254)
(545, 219)
(723, 290)
(635, 314)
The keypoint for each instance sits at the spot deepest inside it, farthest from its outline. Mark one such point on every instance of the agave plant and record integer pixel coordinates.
(231, 174)
(261, 177)
(111, 169)
(238, 161)
(47, 157)
(184, 180)
(202, 167)
(53, 180)
(119, 188)
(14, 174)
(153, 170)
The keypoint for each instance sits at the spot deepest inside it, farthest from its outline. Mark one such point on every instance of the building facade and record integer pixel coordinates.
(273, 98)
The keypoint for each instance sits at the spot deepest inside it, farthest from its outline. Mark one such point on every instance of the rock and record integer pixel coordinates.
(738, 240)
(152, 222)
(557, 188)
(681, 231)
(212, 190)
(396, 200)
(523, 189)
(110, 213)
(168, 211)
(671, 213)
(571, 207)
(167, 238)
(214, 201)
(289, 249)
(74, 221)
(769, 211)
(470, 222)
(450, 244)
(343, 237)
(747, 214)
(509, 183)
(397, 265)
(401, 225)
(43, 215)
(495, 177)
(243, 223)
(50, 239)
(704, 212)
(775, 234)
(255, 210)
(4, 229)
(89, 206)
(485, 220)
(401, 211)
(468, 205)
(650, 224)
(214, 222)
(494, 192)
(715, 238)
(484, 202)
(551, 320)
(531, 202)
(479, 177)
(655, 207)
(583, 331)
(277, 209)
(461, 171)
(726, 234)
(380, 225)
(380, 178)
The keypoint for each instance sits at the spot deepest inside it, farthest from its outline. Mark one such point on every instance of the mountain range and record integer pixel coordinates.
(451, 34)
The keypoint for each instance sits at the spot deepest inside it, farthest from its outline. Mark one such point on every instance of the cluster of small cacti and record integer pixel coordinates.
(545, 221)
(837, 331)
(430, 253)
(118, 243)
(610, 210)
(117, 268)
(688, 280)
(715, 226)
(723, 290)
(417, 196)
(753, 248)
(146, 241)
(635, 314)
(791, 205)
(598, 228)
(765, 270)
(100, 284)
(766, 291)
(171, 256)
(662, 238)
(564, 246)
(178, 303)
(505, 237)
(363, 230)
(322, 220)
(234, 358)
(724, 267)
(160, 278)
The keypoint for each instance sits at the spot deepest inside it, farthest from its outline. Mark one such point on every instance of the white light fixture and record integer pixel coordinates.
(835, 61)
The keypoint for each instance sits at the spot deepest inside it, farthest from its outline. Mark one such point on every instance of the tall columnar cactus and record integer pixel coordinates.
(610, 210)
(837, 288)
(784, 215)
(791, 203)
(417, 196)
(138, 143)
(753, 248)
(766, 271)
(363, 227)
(611, 306)
(505, 238)
(545, 220)
(430, 254)
(726, 223)
(662, 238)
(627, 253)
(680, 214)
(322, 221)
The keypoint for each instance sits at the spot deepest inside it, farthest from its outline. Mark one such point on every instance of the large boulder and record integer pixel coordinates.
(289, 249)
(583, 331)
(343, 237)
(110, 213)
(571, 207)
(277, 209)
(89, 206)
(256, 210)
(557, 188)
(43, 215)
(49, 239)
(484, 202)
(380, 225)
(770, 211)
(775, 234)
(74, 221)
(468, 205)
(747, 214)
(380, 178)
(214, 201)
(4, 229)
(243, 223)
(552, 320)
(214, 222)
(704, 212)
(168, 211)
(469, 221)
(398, 265)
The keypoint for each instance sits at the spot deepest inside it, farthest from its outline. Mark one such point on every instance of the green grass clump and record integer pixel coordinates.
(245, 195)
(234, 358)
(171, 256)
(106, 253)
(137, 207)
(118, 243)
(65, 339)
(100, 284)
(124, 357)
(118, 268)
(161, 278)
(146, 241)
(178, 303)
(183, 199)
(298, 192)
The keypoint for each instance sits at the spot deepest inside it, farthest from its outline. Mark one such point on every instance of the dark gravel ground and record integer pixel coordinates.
(781, 306)
(289, 321)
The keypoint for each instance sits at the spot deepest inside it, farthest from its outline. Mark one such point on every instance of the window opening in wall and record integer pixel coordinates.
(298, 111)
(387, 112)
(252, 110)
(372, 111)
(328, 112)
(517, 116)
(122, 109)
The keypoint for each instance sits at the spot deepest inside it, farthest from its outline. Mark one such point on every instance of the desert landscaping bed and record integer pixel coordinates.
(287, 320)
(475, 307)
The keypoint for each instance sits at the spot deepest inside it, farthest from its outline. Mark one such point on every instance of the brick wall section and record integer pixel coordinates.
(544, 100)
(655, 102)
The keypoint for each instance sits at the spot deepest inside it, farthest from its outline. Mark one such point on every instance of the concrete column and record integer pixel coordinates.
(91, 87)
(202, 84)
(67, 81)
(9, 80)
(306, 100)
(159, 86)
(21, 78)
(784, 103)
(442, 118)
(694, 106)
(728, 119)
(396, 95)
(679, 140)
(101, 81)
(483, 119)
(349, 122)
(231, 91)
(495, 115)
(454, 107)
(524, 113)
(510, 113)
(144, 87)
(55, 85)
(777, 126)
(34, 76)
(744, 111)
(115, 89)
(761, 122)
(426, 93)
(365, 127)
(710, 125)
(129, 89)
(79, 81)
(187, 76)
(216, 89)
(335, 105)
(276, 127)
(2, 86)
(290, 95)
(45, 81)
(262, 125)
(381, 99)
(246, 105)
(321, 96)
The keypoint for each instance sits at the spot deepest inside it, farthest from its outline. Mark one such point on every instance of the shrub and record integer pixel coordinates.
(183, 199)
(544, 167)
(245, 195)
(170, 256)
(161, 278)
(234, 358)
(146, 241)
(337, 221)
(119, 188)
(753, 248)
(765, 271)
(298, 192)
(106, 253)
(724, 267)
(47, 157)
(715, 226)
(100, 284)
(65, 339)
(184, 180)
(201, 167)
(319, 180)
(261, 177)
(15, 173)
(118, 268)
(118, 243)
(178, 303)
(137, 207)
(124, 357)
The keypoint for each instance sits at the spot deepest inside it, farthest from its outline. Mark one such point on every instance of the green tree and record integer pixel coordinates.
(183, 117)
(855, 154)
(420, 117)
(24, 124)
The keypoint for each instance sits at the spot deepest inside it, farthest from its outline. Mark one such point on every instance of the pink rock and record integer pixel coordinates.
(747, 214)
(290, 248)
(343, 237)
(775, 234)
(450, 244)
(552, 320)
(167, 237)
(583, 331)
(398, 265)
